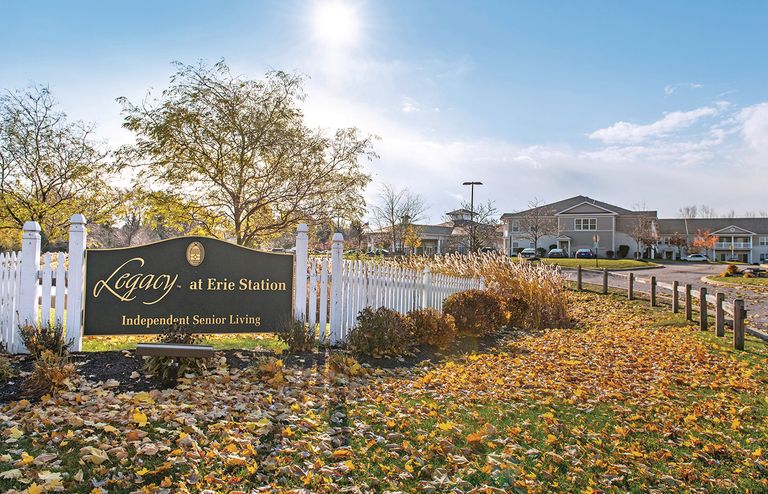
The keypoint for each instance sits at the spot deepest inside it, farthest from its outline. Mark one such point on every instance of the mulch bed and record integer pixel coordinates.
(125, 368)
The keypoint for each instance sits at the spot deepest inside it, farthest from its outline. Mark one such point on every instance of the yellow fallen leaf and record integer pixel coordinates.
(109, 428)
(15, 433)
(140, 418)
(34, 488)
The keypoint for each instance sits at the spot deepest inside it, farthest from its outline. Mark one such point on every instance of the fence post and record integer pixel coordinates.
(75, 281)
(738, 324)
(426, 294)
(719, 315)
(653, 291)
(337, 259)
(688, 308)
(675, 297)
(300, 274)
(703, 321)
(30, 264)
(578, 278)
(605, 281)
(631, 287)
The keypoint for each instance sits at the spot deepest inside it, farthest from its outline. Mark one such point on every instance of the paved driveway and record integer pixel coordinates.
(756, 302)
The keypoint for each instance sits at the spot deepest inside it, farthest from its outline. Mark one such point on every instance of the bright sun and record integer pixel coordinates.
(335, 23)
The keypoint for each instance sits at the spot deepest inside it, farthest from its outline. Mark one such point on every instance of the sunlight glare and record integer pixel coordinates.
(336, 23)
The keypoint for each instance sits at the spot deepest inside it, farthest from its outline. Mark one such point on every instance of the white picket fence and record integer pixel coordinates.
(328, 292)
(32, 286)
(331, 308)
(9, 292)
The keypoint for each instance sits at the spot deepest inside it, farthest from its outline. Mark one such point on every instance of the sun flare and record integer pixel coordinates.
(336, 23)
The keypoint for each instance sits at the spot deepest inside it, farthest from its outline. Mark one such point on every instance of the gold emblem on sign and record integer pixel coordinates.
(195, 253)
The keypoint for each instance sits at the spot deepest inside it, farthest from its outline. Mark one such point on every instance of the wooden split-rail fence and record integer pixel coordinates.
(684, 297)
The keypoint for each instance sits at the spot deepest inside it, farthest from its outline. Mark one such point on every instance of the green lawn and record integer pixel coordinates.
(601, 263)
(738, 280)
(244, 341)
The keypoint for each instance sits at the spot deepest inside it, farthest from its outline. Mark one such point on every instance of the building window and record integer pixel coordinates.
(515, 226)
(763, 240)
(586, 224)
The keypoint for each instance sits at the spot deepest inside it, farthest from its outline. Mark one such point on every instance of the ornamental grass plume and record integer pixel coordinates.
(541, 287)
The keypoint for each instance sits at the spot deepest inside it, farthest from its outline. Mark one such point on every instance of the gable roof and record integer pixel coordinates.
(571, 202)
(668, 226)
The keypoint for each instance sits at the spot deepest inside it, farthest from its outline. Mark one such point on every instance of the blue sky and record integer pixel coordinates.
(657, 103)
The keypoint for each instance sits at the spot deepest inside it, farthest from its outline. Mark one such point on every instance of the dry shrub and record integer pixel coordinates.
(748, 274)
(476, 312)
(430, 327)
(379, 332)
(38, 339)
(730, 270)
(6, 371)
(297, 336)
(540, 286)
(51, 374)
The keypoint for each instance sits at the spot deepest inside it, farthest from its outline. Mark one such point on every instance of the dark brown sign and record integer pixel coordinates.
(208, 285)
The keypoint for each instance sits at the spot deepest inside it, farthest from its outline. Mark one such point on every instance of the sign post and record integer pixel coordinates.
(596, 245)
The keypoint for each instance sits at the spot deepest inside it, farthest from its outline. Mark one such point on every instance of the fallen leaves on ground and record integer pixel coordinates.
(631, 400)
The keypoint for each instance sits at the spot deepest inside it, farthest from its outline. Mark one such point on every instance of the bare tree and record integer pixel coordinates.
(537, 221)
(395, 210)
(688, 212)
(49, 168)
(643, 231)
(481, 233)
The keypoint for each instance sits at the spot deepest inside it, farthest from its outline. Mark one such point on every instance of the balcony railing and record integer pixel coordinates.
(735, 245)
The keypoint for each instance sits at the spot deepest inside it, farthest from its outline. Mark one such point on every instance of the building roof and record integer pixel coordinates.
(458, 212)
(559, 206)
(669, 226)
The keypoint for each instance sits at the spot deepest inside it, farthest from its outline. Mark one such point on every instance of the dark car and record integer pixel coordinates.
(584, 254)
(557, 253)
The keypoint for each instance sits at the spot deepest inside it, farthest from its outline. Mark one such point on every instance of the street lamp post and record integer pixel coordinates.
(472, 213)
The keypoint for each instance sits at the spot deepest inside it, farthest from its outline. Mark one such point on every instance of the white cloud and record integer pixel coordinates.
(754, 130)
(625, 132)
(669, 89)
(409, 107)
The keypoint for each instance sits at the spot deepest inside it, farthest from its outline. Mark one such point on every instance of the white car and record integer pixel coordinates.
(696, 258)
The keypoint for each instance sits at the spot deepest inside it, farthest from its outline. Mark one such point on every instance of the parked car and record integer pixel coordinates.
(378, 252)
(529, 253)
(557, 253)
(584, 254)
(696, 258)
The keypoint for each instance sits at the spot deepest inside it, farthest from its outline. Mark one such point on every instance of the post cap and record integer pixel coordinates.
(338, 237)
(302, 228)
(31, 226)
(78, 219)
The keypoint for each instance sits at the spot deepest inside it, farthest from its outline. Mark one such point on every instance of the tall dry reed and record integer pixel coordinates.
(540, 286)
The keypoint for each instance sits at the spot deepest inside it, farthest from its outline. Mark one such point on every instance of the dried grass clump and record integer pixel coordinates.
(540, 286)
(51, 374)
